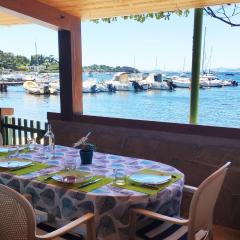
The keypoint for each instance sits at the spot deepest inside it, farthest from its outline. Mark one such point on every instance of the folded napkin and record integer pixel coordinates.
(35, 166)
(140, 187)
(76, 186)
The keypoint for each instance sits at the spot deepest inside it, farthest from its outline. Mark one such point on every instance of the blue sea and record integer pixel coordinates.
(217, 106)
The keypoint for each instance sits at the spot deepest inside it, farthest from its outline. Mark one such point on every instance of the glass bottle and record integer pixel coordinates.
(49, 143)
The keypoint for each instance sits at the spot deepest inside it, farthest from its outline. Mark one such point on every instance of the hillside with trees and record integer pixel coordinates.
(22, 63)
(105, 68)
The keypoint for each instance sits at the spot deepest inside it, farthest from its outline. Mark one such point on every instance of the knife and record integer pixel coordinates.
(89, 183)
(146, 185)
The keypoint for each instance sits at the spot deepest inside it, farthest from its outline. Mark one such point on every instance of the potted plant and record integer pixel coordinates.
(86, 149)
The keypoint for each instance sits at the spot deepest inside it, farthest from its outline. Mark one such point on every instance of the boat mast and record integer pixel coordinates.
(156, 63)
(184, 62)
(204, 42)
(36, 53)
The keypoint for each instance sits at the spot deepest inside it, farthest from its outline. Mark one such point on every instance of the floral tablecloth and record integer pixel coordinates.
(110, 205)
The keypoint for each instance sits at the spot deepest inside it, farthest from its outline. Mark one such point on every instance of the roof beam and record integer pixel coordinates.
(40, 13)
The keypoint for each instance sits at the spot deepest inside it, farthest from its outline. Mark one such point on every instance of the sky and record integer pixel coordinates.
(165, 45)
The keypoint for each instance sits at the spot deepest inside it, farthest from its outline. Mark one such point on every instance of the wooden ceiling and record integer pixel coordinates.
(94, 9)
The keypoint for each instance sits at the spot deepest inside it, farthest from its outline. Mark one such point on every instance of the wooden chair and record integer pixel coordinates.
(199, 224)
(17, 219)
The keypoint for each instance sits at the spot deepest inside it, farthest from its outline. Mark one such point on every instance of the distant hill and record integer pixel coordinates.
(105, 68)
(223, 69)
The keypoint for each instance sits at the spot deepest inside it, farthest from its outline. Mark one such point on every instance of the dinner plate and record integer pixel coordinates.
(10, 149)
(71, 178)
(150, 178)
(14, 164)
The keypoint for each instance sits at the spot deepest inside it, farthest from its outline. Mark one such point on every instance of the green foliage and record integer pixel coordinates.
(87, 147)
(51, 67)
(143, 17)
(105, 68)
(10, 61)
(22, 68)
(21, 63)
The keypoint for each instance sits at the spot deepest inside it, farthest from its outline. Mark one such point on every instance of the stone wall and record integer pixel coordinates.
(197, 151)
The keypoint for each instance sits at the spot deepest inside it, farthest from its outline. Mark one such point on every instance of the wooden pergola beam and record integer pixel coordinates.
(39, 13)
(51, 17)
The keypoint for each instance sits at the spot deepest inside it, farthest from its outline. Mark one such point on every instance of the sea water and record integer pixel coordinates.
(217, 106)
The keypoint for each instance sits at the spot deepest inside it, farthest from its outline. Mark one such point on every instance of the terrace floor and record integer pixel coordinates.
(223, 233)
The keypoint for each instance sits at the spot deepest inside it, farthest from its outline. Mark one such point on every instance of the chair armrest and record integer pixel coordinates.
(159, 216)
(67, 228)
(28, 196)
(189, 189)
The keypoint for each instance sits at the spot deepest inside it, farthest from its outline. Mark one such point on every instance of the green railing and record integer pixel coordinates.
(17, 130)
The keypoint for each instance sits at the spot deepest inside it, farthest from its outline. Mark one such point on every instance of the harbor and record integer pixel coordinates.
(219, 105)
(47, 84)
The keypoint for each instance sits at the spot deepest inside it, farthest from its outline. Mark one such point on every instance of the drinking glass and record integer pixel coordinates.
(31, 143)
(120, 177)
(70, 164)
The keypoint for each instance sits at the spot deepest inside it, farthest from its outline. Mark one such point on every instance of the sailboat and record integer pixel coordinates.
(209, 79)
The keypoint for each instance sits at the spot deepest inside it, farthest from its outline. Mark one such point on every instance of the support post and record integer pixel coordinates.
(65, 74)
(196, 62)
(70, 69)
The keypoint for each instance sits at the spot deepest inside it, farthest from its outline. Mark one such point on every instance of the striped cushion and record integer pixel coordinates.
(159, 230)
(44, 228)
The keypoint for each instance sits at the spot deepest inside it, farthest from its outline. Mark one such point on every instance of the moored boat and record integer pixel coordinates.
(32, 87)
(181, 82)
(120, 82)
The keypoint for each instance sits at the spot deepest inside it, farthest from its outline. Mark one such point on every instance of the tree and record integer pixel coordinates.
(227, 13)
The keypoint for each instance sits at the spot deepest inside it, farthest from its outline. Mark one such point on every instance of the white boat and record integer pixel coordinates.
(152, 81)
(38, 89)
(120, 82)
(159, 84)
(181, 82)
(55, 85)
(29, 77)
(102, 87)
(211, 83)
(89, 86)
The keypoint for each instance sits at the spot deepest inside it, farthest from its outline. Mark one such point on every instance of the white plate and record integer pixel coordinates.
(14, 164)
(150, 178)
(10, 149)
(70, 179)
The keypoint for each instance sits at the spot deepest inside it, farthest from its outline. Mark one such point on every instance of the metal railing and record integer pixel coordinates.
(16, 131)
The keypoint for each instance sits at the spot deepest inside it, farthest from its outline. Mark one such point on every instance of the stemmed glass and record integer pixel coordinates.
(31, 143)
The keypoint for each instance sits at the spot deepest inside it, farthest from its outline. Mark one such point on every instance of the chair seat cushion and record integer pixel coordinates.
(159, 230)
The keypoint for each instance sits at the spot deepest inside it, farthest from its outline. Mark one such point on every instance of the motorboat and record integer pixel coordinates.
(55, 85)
(153, 81)
(32, 87)
(181, 82)
(89, 86)
(120, 82)
(160, 84)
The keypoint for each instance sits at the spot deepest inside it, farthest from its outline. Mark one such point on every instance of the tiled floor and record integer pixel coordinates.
(223, 233)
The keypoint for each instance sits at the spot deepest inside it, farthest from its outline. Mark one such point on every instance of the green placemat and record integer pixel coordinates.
(76, 186)
(5, 154)
(36, 166)
(147, 190)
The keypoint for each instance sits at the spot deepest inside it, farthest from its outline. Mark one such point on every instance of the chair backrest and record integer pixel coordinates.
(17, 221)
(203, 202)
